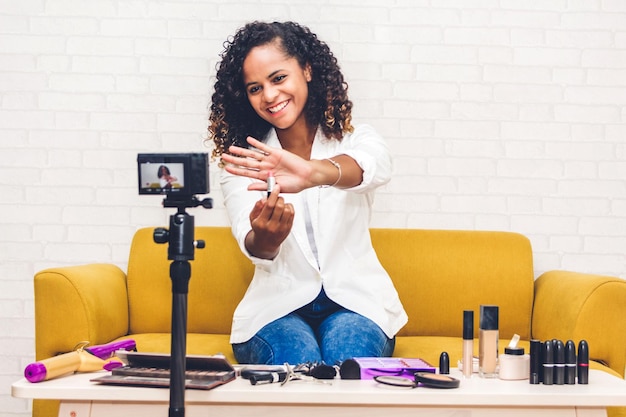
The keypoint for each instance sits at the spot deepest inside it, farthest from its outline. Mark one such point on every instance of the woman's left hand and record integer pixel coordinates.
(292, 172)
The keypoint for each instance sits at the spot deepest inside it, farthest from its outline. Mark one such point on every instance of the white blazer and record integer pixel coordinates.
(348, 267)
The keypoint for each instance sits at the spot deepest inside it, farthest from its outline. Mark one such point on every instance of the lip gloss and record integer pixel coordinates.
(468, 343)
(271, 182)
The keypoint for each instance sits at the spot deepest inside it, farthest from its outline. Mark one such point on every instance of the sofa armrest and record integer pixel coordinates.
(79, 303)
(576, 306)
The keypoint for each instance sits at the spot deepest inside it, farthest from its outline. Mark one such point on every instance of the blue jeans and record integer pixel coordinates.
(321, 331)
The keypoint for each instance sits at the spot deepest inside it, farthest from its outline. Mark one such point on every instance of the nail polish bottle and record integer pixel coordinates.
(488, 342)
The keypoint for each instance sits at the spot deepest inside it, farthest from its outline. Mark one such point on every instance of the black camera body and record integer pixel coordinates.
(177, 175)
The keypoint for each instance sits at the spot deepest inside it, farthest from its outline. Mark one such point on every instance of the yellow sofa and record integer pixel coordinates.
(438, 274)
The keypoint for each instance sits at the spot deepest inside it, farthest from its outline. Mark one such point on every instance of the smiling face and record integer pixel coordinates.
(276, 86)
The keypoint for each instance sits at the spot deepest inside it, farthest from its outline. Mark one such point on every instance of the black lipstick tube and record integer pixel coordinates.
(559, 363)
(570, 363)
(583, 362)
(548, 363)
(535, 362)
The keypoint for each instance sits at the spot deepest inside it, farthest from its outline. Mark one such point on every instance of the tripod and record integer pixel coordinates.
(180, 237)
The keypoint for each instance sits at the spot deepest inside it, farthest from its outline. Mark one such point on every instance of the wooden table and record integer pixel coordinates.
(475, 397)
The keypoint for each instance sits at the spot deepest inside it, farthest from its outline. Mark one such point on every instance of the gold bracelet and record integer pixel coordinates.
(336, 164)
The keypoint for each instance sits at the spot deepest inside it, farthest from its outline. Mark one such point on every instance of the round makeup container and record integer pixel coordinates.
(514, 364)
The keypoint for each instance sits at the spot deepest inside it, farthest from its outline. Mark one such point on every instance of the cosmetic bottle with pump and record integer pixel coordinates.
(488, 342)
(468, 343)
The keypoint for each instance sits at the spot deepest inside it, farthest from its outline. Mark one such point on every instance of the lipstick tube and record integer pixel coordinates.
(548, 363)
(271, 182)
(535, 362)
(468, 343)
(559, 363)
(570, 363)
(583, 362)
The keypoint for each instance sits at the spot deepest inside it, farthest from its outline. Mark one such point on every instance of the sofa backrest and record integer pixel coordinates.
(220, 275)
(438, 274)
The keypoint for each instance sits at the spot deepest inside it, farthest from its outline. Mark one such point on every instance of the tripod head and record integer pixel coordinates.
(183, 202)
(180, 235)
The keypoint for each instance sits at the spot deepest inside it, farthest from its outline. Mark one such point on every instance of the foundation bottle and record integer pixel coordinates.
(488, 342)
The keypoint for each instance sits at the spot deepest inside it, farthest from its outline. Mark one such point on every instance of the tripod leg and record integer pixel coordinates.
(180, 272)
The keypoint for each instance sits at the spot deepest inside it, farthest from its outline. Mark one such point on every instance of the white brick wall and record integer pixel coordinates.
(502, 115)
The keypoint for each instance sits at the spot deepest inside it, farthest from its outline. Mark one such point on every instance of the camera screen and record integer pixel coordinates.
(178, 175)
(161, 178)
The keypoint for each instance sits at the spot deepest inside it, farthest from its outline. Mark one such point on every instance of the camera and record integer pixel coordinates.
(177, 175)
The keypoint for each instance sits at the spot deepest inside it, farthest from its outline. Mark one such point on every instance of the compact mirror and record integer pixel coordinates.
(436, 380)
(396, 381)
(427, 379)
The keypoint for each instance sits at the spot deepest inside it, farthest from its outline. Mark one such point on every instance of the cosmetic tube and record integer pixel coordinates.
(535, 361)
(444, 363)
(271, 183)
(548, 362)
(559, 363)
(468, 343)
(488, 342)
(583, 362)
(570, 363)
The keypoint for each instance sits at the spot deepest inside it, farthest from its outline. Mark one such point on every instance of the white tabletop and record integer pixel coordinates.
(603, 390)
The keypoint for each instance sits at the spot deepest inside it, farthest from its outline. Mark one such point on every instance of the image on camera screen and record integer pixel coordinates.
(162, 178)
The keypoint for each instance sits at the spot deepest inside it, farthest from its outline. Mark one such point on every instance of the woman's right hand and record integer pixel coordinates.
(271, 220)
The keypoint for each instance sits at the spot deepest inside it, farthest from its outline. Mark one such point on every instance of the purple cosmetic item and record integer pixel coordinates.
(52, 367)
(107, 350)
(83, 359)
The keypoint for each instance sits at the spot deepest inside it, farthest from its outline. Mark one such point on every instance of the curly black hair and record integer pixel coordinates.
(233, 119)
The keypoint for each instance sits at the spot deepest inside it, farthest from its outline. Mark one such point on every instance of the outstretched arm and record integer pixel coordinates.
(292, 172)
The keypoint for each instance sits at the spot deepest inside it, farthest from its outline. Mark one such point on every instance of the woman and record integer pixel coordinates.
(165, 177)
(319, 294)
